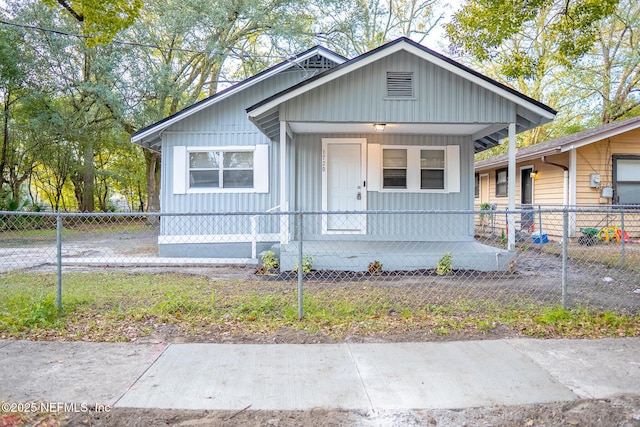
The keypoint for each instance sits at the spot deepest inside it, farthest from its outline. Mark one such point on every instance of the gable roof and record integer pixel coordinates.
(563, 144)
(150, 135)
(532, 113)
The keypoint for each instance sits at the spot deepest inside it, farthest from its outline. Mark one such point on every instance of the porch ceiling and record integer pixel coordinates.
(404, 128)
(484, 135)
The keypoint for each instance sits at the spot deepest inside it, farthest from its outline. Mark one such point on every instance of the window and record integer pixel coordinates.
(415, 168)
(501, 183)
(432, 169)
(477, 186)
(233, 169)
(400, 84)
(221, 169)
(626, 179)
(394, 168)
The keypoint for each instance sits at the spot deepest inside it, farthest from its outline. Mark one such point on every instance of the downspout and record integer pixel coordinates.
(565, 183)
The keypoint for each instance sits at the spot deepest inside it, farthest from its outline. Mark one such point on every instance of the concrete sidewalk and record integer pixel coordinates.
(333, 376)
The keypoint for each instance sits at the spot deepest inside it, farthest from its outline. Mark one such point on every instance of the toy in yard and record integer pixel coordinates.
(591, 235)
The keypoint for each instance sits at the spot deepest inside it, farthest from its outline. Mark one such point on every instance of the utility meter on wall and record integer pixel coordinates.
(594, 180)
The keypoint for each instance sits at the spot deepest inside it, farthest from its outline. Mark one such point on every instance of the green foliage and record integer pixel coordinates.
(101, 19)
(121, 307)
(307, 264)
(480, 27)
(270, 262)
(354, 27)
(375, 268)
(445, 265)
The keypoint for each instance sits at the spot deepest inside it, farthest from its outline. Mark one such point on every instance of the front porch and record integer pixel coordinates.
(395, 255)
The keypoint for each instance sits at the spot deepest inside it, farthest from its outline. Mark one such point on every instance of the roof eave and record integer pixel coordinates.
(157, 127)
(544, 111)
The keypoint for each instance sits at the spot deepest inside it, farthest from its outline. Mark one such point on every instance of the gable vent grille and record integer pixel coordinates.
(399, 84)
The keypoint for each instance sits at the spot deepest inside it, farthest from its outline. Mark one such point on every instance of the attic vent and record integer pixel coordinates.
(318, 62)
(399, 84)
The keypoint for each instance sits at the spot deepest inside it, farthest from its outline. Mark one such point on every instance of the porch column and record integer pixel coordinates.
(572, 191)
(511, 189)
(284, 200)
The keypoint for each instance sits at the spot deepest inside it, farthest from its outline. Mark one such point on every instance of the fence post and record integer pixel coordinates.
(59, 261)
(300, 256)
(565, 246)
(540, 221)
(623, 261)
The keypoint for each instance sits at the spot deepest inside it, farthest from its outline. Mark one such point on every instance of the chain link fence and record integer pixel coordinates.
(578, 257)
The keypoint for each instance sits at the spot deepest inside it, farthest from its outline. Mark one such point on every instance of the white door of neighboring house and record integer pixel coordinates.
(343, 179)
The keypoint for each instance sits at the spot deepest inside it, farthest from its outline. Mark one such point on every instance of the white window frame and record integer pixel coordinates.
(616, 181)
(182, 169)
(221, 150)
(414, 169)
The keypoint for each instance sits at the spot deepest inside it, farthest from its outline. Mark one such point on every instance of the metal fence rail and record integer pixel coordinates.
(571, 256)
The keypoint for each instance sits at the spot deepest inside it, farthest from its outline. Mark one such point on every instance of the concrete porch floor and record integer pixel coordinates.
(356, 255)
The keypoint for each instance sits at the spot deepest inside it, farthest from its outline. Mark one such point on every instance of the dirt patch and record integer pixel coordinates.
(622, 411)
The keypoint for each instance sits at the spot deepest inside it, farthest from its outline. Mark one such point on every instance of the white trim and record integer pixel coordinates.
(235, 148)
(261, 168)
(599, 137)
(284, 199)
(533, 183)
(573, 165)
(511, 188)
(374, 177)
(235, 89)
(180, 169)
(452, 169)
(190, 239)
(363, 178)
(397, 47)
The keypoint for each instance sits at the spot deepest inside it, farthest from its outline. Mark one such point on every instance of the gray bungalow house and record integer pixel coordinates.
(393, 129)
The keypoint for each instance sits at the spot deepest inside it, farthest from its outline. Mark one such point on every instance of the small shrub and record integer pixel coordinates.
(445, 265)
(307, 264)
(375, 268)
(270, 262)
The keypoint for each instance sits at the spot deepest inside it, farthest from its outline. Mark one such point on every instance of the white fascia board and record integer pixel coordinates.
(519, 159)
(418, 52)
(599, 137)
(233, 90)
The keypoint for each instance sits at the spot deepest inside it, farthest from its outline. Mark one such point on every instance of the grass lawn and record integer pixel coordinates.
(128, 307)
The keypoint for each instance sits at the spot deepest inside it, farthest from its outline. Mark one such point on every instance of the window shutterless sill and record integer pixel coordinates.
(389, 190)
(219, 190)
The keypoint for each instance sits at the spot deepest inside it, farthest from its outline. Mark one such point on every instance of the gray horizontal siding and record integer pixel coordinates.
(441, 97)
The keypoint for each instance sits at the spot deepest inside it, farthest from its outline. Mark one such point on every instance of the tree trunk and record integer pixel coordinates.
(87, 201)
(5, 138)
(152, 160)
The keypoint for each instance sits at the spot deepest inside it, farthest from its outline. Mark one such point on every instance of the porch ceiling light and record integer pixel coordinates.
(379, 127)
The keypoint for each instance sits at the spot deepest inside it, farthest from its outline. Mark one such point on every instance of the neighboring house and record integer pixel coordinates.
(597, 167)
(393, 129)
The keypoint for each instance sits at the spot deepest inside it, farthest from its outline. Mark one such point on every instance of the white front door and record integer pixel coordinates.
(343, 180)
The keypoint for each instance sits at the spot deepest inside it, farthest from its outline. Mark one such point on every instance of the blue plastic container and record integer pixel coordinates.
(539, 238)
